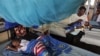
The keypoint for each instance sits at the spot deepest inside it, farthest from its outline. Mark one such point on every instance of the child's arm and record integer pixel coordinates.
(10, 48)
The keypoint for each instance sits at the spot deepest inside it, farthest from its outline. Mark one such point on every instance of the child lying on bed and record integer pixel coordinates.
(29, 47)
(18, 45)
(42, 46)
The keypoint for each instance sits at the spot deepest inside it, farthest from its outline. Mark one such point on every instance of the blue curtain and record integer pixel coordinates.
(37, 12)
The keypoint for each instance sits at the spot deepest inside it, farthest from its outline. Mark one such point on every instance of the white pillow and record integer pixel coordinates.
(57, 30)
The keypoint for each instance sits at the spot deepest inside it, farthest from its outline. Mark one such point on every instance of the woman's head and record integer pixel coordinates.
(20, 31)
(81, 11)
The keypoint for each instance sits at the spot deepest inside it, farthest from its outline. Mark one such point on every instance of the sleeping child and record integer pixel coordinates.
(18, 45)
(42, 46)
(24, 46)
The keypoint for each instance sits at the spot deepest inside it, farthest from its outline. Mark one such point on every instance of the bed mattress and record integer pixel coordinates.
(75, 51)
(92, 37)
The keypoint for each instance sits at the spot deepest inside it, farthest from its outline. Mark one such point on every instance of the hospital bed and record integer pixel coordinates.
(92, 37)
(90, 40)
(74, 52)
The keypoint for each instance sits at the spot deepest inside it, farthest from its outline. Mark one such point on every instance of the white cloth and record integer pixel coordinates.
(65, 21)
(92, 37)
(75, 17)
(24, 44)
(57, 29)
(98, 18)
(76, 31)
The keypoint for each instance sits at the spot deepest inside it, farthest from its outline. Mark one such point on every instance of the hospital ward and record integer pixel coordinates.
(49, 27)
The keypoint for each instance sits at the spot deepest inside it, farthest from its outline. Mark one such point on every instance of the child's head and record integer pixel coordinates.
(15, 42)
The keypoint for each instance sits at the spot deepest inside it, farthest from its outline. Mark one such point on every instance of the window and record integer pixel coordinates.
(91, 2)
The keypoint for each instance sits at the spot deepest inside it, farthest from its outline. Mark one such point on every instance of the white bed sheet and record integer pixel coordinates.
(79, 52)
(92, 37)
(57, 29)
(75, 52)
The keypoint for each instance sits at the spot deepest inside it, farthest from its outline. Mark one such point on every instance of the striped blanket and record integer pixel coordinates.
(47, 46)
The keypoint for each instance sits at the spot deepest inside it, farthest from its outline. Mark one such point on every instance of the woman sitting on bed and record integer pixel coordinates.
(76, 30)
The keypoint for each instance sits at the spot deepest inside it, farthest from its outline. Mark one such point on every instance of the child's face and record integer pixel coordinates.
(15, 43)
